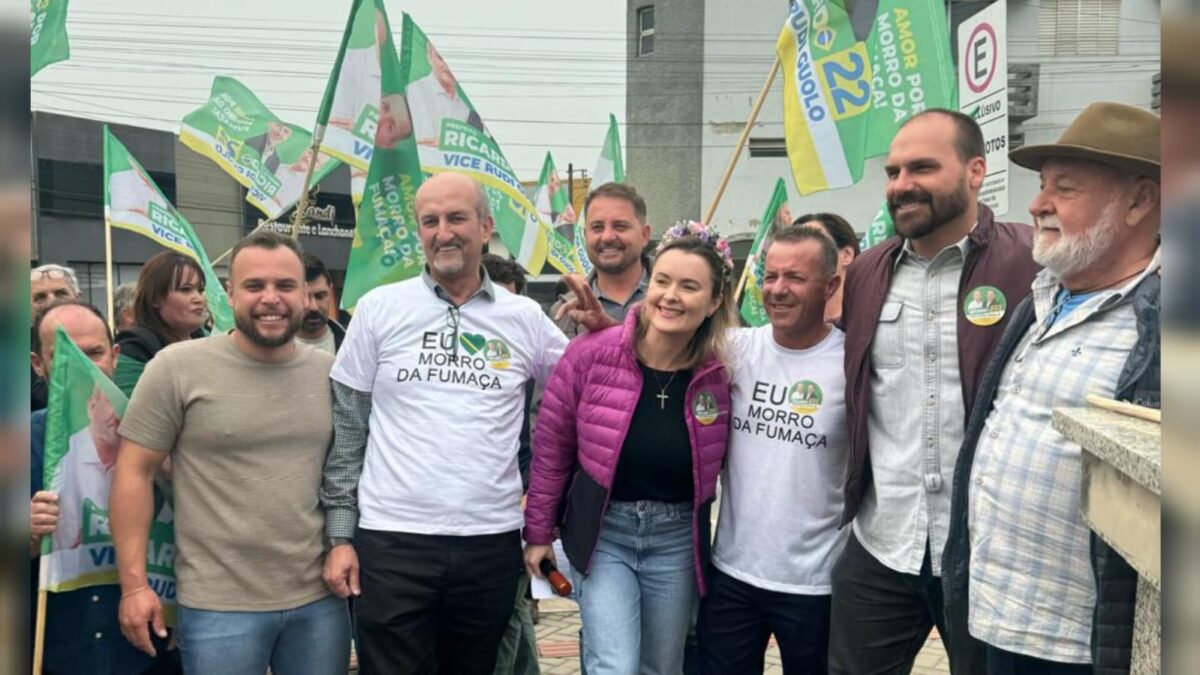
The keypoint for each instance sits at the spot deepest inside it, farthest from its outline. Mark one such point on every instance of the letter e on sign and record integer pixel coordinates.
(982, 52)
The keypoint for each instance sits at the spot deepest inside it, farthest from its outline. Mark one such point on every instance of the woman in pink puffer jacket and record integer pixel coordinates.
(630, 439)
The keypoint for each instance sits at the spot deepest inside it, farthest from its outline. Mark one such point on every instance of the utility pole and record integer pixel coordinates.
(571, 182)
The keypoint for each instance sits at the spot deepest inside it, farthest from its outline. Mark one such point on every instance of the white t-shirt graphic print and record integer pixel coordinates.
(781, 499)
(446, 406)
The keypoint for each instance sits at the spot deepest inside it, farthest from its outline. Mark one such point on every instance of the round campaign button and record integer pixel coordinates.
(805, 397)
(985, 306)
(704, 407)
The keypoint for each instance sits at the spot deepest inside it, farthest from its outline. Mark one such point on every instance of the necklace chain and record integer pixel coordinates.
(662, 389)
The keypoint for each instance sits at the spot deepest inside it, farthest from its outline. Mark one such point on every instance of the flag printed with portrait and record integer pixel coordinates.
(386, 247)
(132, 201)
(610, 168)
(48, 41)
(845, 96)
(752, 309)
(82, 436)
(452, 136)
(350, 108)
(553, 203)
(262, 152)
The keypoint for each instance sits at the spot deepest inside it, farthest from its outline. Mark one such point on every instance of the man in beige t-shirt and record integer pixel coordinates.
(246, 419)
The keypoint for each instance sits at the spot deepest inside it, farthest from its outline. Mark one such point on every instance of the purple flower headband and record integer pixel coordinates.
(706, 234)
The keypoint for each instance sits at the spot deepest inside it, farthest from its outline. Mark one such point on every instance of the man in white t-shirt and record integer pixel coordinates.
(781, 501)
(87, 470)
(421, 489)
(435, 97)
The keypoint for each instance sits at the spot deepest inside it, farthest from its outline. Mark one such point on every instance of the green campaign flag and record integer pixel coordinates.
(262, 152)
(451, 136)
(610, 168)
(752, 301)
(386, 248)
(844, 98)
(881, 228)
(349, 110)
(47, 34)
(132, 201)
(82, 422)
(554, 206)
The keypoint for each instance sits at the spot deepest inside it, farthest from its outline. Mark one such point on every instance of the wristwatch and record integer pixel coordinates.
(338, 541)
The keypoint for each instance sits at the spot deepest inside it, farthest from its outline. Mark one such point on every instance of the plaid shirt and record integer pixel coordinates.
(1031, 583)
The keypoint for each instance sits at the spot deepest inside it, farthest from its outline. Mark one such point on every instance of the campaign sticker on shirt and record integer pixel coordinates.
(985, 306)
(705, 408)
(805, 397)
(497, 354)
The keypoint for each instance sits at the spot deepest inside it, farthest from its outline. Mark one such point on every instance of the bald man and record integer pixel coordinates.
(424, 510)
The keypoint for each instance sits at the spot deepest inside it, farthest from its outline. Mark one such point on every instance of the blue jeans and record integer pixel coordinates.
(312, 639)
(637, 600)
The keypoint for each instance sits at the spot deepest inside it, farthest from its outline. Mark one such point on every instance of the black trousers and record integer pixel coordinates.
(433, 603)
(1000, 662)
(737, 620)
(881, 619)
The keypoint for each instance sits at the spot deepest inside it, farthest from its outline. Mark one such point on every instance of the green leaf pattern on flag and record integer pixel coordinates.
(386, 247)
(262, 152)
(752, 300)
(132, 201)
(82, 418)
(47, 34)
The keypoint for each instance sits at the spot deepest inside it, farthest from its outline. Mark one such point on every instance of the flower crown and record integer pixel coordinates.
(706, 234)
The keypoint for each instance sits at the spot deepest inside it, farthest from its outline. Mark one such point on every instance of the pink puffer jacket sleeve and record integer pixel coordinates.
(554, 444)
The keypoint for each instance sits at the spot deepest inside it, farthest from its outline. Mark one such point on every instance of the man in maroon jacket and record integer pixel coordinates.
(916, 348)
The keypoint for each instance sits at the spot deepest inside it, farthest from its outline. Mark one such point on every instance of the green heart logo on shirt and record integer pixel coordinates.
(472, 342)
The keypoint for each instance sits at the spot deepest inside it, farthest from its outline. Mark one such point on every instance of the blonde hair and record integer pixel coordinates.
(709, 339)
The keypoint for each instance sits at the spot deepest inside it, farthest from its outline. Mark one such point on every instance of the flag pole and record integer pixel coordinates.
(737, 294)
(737, 150)
(108, 272)
(302, 205)
(39, 635)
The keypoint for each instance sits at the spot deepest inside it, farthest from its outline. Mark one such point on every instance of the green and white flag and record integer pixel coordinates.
(451, 136)
(554, 206)
(262, 152)
(610, 168)
(752, 300)
(386, 247)
(82, 422)
(350, 109)
(881, 228)
(47, 34)
(132, 201)
(844, 98)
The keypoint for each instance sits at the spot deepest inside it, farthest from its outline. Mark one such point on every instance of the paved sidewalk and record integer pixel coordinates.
(558, 645)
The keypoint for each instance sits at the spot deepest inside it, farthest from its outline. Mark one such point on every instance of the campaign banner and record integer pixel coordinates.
(262, 152)
(610, 168)
(132, 201)
(48, 41)
(452, 136)
(881, 228)
(386, 247)
(83, 418)
(349, 110)
(752, 309)
(844, 98)
(553, 204)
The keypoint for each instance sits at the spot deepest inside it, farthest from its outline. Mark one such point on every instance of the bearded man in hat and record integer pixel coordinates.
(1038, 589)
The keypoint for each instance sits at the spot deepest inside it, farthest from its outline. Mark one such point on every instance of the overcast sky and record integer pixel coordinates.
(544, 75)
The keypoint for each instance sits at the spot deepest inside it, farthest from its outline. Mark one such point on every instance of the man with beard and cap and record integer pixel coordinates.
(246, 419)
(1043, 592)
(616, 234)
(421, 488)
(914, 358)
(318, 330)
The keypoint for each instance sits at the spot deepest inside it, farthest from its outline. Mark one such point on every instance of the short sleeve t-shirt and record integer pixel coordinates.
(447, 401)
(781, 500)
(247, 441)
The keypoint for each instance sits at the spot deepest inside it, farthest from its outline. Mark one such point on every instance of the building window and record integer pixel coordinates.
(76, 189)
(645, 19)
(768, 147)
(1079, 27)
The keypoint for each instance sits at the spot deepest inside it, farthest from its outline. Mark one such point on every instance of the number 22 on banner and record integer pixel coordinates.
(846, 77)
